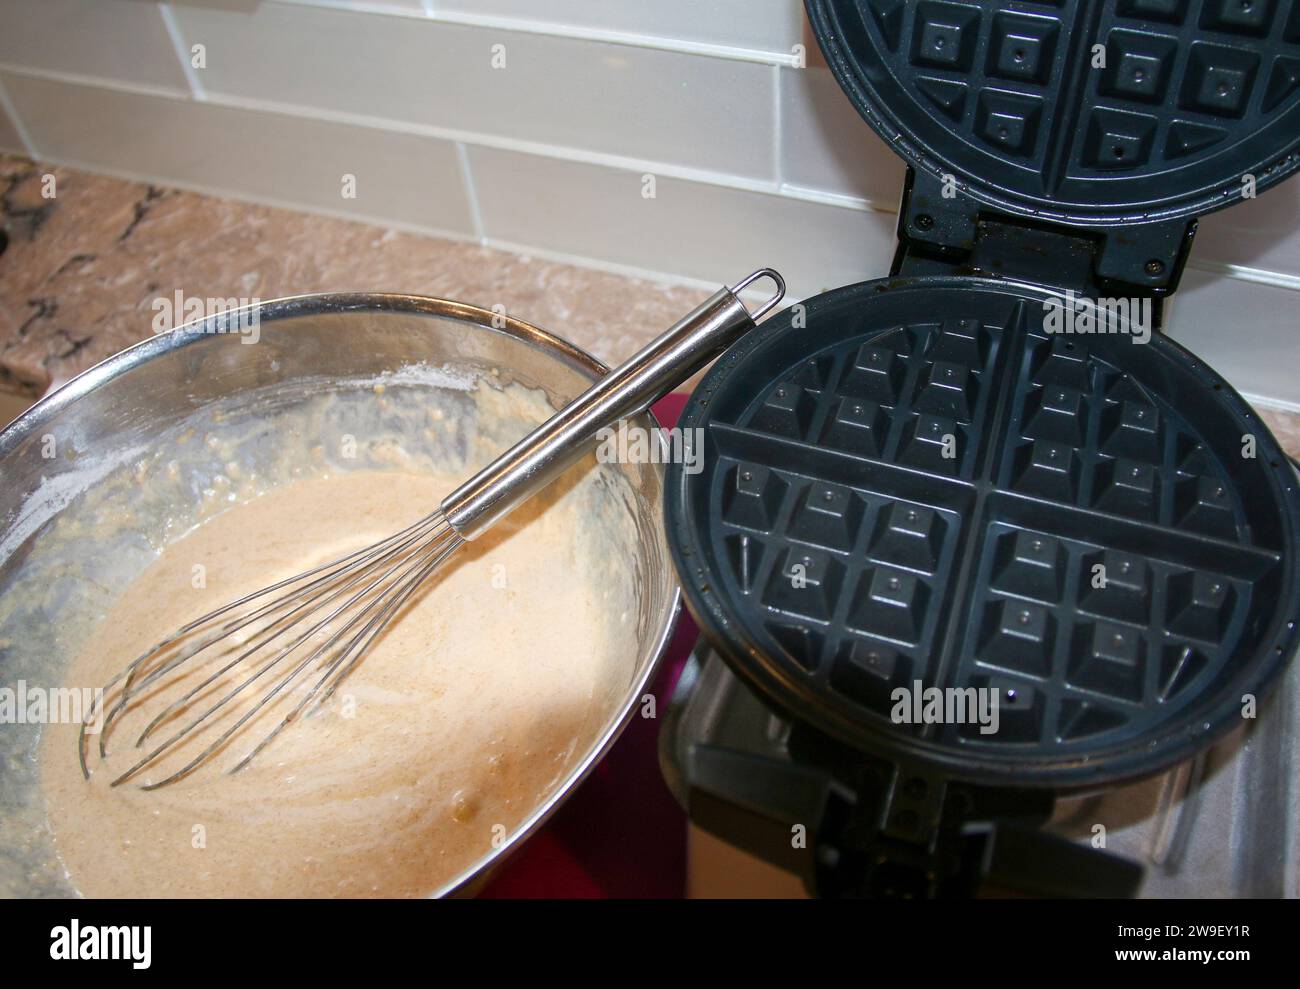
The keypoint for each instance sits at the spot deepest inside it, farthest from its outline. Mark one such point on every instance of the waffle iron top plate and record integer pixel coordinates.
(1084, 112)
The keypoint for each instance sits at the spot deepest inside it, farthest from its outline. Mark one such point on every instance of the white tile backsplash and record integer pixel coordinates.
(1249, 333)
(121, 40)
(765, 25)
(399, 177)
(697, 112)
(688, 228)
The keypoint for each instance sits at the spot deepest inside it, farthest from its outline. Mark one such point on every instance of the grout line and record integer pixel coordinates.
(837, 199)
(1260, 276)
(471, 191)
(426, 11)
(430, 11)
(182, 53)
(1270, 404)
(19, 126)
(629, 39)
(95, 82)
(778, 130)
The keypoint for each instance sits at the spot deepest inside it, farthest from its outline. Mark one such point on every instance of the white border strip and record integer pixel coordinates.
(430, 12)
(1270, 404)
(97, 82)
(1277, 279)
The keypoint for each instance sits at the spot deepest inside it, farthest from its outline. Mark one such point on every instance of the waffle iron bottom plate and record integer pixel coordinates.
(912, 480)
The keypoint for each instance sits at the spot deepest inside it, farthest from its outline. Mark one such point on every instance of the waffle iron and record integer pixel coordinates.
(982, 470)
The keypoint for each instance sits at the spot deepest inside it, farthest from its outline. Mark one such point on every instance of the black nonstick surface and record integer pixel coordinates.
(1013, 100)
(823, 448)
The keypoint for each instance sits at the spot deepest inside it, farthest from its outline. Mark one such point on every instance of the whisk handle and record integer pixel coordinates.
(648, 375)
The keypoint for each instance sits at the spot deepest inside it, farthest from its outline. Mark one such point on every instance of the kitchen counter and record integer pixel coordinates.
(82, 270)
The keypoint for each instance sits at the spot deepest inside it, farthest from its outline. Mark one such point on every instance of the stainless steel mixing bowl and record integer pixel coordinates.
(307, 343)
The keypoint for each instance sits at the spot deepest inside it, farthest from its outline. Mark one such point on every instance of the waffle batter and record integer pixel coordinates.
(464, 716)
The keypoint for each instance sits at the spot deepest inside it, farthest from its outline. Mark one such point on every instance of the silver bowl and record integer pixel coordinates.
(303, 345)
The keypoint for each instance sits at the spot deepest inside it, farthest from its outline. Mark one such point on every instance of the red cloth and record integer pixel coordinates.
(621, 834)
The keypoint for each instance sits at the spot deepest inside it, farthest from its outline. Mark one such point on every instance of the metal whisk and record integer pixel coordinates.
(297, 640)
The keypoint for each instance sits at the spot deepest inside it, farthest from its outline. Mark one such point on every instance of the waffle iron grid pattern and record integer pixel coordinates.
(1004, 94)
(978, 569)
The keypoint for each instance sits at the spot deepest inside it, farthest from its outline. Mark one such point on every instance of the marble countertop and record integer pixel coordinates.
(82, 270)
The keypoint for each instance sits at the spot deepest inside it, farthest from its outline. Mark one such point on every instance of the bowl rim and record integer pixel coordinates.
(328, 303)
(285, 307)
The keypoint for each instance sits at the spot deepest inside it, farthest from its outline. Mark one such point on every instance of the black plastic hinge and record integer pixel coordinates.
(942, 231)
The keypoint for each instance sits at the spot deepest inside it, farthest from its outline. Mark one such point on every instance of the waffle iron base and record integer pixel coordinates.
(921, 483)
